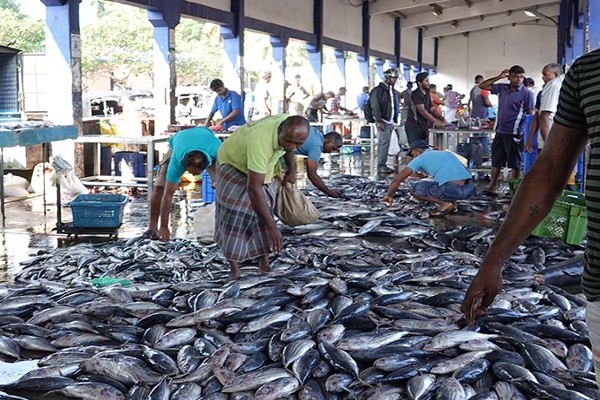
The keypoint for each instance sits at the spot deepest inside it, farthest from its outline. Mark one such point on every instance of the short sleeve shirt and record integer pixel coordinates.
(313, 146)
(199, 138)
(442, 166)
(231, 101)
(550, 94)
(254, 147)
(414, 117)
(512, 108)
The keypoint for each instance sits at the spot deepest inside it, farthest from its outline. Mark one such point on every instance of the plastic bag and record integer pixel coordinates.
(38, 177)
(15, 186)
(394, 148)
(70, 186)
(204, 223)
(292, 207)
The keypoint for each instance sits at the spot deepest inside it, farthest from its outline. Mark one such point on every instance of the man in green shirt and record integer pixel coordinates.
(244, 223)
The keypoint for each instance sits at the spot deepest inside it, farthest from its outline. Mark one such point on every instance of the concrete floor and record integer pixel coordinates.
(29, 230)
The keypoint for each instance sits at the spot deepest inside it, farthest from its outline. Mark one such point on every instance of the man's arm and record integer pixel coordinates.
(487, 84)
(230, 116)
(212, 172)
(436, 119)
(533, 127)
(401, 177)
(165, 211)
(209, 118)
(290, 162)
(534, 199)
(259, 205)
(313, 176)
(545, 122)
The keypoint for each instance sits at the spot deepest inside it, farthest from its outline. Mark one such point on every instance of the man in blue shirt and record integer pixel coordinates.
(312, 148)
(193, 150)
(229, 104)
(451, 180)
(514, 102)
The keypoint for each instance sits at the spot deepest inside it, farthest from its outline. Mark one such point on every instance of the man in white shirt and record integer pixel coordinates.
(552, 77)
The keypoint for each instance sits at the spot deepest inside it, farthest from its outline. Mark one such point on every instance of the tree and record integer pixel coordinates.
(117, 45)
(20, 31)
(9, 5)
(199, 52)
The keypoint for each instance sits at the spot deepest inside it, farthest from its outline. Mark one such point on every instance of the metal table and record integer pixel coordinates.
(29, 137)
(448, 139)
(104, 180)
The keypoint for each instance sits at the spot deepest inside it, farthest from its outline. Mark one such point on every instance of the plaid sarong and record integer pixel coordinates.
(238, 230)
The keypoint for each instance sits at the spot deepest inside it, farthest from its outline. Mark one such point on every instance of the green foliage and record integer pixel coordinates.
(117, 45)
(19, 31)
(9, 5)
(199, 52)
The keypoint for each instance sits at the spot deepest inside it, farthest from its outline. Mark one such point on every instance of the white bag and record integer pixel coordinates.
(204, 223)
(70, 186)
(38, 177)
(402, 137)
(394, 148)
(15, 186)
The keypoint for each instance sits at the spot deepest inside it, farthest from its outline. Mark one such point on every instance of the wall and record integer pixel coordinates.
(289, 13)
(489, 52)
(382, 33)
(409, 39)
(341, 21)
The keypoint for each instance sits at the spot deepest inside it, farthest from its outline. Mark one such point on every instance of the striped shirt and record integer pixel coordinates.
(578, 109)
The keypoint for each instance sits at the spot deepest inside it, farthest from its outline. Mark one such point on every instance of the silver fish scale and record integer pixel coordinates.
(346, 303)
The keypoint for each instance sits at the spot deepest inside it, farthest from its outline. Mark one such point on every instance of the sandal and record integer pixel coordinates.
(439, 213)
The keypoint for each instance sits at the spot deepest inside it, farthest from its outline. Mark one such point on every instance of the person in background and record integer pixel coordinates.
(422, 112)
(312, 148)
(263, 97)
(405, 102)
(479, 100)
(529, 83)
(514, 102)
(229, 104)
(386, 106)
(362, 99)
(296, 96)
(244, 225)
(547, 104)
(451, 180)
(336, 101)
(193, 150)
(436, 100)
(318, 104)
(574, 125)
(451, 99)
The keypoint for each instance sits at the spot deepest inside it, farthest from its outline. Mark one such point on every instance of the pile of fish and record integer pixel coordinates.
(340, 317)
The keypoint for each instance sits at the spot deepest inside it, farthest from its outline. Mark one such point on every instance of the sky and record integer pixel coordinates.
(37, 10)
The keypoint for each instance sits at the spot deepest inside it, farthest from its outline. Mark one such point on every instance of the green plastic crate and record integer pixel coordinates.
(567, 220)
(513, 185)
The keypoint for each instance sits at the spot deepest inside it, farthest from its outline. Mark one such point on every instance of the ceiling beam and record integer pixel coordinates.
(517, 17)
(480, 8)
(385, 6)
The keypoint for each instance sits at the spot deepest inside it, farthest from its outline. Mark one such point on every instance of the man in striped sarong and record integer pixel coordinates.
(244, 224)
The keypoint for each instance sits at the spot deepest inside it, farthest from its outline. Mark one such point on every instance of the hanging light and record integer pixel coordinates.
(454, 24)
(437, 10)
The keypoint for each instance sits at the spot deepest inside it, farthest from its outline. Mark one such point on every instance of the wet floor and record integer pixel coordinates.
(30, 225)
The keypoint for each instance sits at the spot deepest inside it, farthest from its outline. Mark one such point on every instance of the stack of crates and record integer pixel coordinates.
(208, 193)
(567, 220)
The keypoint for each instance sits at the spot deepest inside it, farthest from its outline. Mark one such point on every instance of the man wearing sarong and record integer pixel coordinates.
(244, 224)
(193, 150)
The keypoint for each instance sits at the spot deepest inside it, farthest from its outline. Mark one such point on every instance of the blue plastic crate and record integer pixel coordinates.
(98, 210)
(208, 193)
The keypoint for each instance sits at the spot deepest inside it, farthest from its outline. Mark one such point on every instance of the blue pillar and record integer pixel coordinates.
(315, 59)
(406, 71)
(233, 45)
(363, 65)
(233, 70)
(278, 45)
(63, 59)
(340, 62)
(579, 47)
(165, 79)
(379, 68)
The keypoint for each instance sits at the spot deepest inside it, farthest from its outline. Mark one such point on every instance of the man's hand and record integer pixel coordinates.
(380, 125)
(528, 146)
(503, 74)
(481, 293)
(333, 193)
(275, 239)
(388, 200)
(440, 124)
(164, 234)
(289, 177)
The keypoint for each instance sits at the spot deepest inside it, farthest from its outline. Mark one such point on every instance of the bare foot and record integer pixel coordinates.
(234, 271)
(263, 265)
